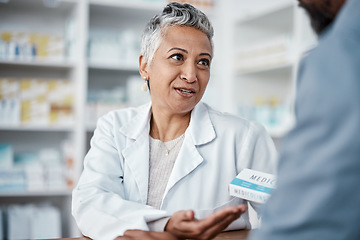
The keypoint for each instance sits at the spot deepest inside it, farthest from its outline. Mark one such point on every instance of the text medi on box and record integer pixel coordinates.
(252, 185)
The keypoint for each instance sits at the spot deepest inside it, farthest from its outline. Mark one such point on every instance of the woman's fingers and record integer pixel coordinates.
(220, 225)
(231, 212)
(210, 225)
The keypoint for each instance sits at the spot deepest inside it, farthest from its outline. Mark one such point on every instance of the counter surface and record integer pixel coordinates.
(232, 235)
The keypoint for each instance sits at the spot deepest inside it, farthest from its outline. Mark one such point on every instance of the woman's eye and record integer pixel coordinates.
(177, 57)
(204, 62)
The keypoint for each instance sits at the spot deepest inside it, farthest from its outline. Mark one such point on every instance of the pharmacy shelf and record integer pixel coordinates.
(132, 5)
(60, 201)
(263, 30)
(265, 70)
(37, 128)
(36, 194)
(60, 5)
(39, 63)
(139, 5)
(265, 12)
(113, 67)
(45, 18)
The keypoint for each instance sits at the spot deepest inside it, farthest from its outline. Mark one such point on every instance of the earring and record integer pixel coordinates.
(144, 87)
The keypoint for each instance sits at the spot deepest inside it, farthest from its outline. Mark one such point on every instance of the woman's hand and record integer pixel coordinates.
(184, 225)
(146, 235)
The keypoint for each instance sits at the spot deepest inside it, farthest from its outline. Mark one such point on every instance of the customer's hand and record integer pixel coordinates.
(146, 235)
(184, 225)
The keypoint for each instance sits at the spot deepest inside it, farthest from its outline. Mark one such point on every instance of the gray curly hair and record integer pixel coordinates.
(174, 14)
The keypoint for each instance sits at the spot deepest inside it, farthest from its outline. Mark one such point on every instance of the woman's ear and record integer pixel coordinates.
(143, 67)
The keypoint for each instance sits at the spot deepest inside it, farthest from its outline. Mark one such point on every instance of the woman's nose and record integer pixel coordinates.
(188, 73)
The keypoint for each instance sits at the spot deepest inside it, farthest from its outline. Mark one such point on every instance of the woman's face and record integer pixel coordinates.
(180, 70)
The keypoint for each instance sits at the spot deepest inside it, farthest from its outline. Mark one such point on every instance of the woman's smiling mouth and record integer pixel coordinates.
(185, 92)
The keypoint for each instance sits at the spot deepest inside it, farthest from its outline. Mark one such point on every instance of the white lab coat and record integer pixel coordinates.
(112, 191)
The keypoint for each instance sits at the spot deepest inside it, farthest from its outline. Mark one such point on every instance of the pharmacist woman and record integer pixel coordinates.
(149, 164)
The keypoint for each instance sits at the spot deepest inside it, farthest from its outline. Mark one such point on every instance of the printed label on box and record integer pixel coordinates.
(253, 185)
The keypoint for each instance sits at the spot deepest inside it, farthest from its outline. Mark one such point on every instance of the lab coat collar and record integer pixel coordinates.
(140, 123)
(200, 128)
(200, 131)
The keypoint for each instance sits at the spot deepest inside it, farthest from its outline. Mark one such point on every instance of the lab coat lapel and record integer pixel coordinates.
(199, 132)
(136, 153)
(187, 161)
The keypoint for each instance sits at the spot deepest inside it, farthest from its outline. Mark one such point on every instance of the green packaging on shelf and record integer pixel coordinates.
(252, 185)
(6, 156)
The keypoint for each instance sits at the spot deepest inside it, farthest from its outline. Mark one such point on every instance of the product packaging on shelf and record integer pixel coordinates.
(20, 45)
(12, 180)
(102, 101)
(6, 156)
(49, 169)
(32, 221)
(121, 48)
(269, 53)
(31, 101)
(272, 113)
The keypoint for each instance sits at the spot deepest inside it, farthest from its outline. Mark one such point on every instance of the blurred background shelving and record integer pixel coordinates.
(64, 63)
(41, 136)
(266, 40)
